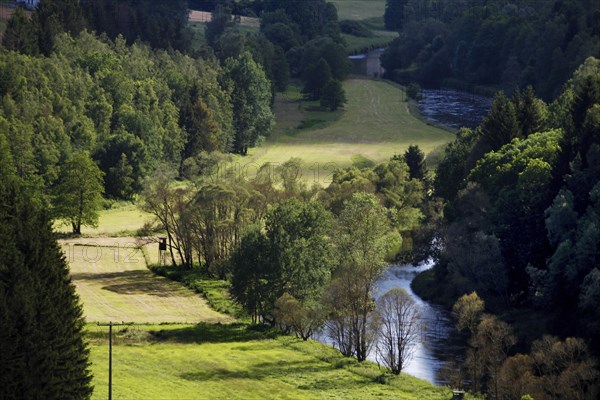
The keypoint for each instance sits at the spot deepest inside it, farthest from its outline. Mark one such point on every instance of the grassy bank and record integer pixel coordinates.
(212, 361)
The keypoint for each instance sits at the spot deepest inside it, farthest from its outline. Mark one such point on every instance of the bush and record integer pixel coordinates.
(413, 91)
(355, 28)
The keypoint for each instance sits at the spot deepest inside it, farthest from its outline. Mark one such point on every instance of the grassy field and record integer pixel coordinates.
(121, 220)
(374, 125)
(359, 9)
(114, 284)
(357, 44)
(212, 361)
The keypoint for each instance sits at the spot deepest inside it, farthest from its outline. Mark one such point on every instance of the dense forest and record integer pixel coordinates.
(494, 43)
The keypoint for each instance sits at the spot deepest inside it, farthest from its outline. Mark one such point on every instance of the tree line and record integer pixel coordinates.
(495, 43)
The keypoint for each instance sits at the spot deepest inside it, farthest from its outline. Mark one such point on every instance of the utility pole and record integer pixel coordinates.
(110, 326)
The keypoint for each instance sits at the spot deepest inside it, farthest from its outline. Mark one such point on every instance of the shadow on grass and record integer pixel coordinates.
(212, 333)
(260, 371)
(133, 283)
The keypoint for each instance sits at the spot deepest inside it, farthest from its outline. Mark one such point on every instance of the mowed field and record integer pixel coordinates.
(359, 9)
(375, 124)
(114, 284)
(215, 361)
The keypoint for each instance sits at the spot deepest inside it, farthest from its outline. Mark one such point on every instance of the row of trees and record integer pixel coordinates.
(162, 25)
(296, 39)
(499, 43)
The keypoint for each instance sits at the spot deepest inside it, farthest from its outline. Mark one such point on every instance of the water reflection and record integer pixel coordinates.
(438, 344)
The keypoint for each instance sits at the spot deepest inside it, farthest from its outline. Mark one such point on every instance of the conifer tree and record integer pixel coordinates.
(501, 125)
(42, 350)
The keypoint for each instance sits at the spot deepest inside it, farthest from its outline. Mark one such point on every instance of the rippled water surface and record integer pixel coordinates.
(454, 108)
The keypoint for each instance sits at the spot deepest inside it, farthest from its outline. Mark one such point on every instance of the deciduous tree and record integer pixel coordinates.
(399, 329)
(78, 194)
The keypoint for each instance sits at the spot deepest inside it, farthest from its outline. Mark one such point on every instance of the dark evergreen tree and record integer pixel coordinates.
(316, 78)
(531, 112)
(56, 16)
(20, 34)
(500, 126)
(220, 21)
(43, 354)
(333, 96)
(394, 14)
(415, 159)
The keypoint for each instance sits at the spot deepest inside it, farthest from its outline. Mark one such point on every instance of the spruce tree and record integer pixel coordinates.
(43, 354)
(501, 125)
(415, 159)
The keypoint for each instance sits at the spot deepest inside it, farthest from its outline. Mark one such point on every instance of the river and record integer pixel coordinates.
(453, 108)
(439, 343)
(448, 107)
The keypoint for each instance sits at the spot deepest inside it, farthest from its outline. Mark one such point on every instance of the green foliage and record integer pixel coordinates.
(394, 14)
(363, 239)
(491, 43)
(78, 194)
(111, 100)
(333, 96)
(467, 311)
(294, 257)
(355, 28)
(251, 97)
(500, 126)
(221, 20)
(20, 35)
(316, 78)
(44, 354)
(415, 160)
(53, 17)
(161, 24)
(531, 112)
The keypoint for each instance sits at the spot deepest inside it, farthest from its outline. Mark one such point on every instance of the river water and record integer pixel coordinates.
(453, 108)
(439, 343)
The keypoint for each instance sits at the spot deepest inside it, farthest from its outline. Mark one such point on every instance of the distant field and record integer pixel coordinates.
(114, 285)
(375, 124)
(355, 44)
(359, 9)
(122, 220)
(231, 362)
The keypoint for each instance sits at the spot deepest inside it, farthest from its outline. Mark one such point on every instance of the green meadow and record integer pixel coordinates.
(220, 361)
(359, 9)
(373, 126)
